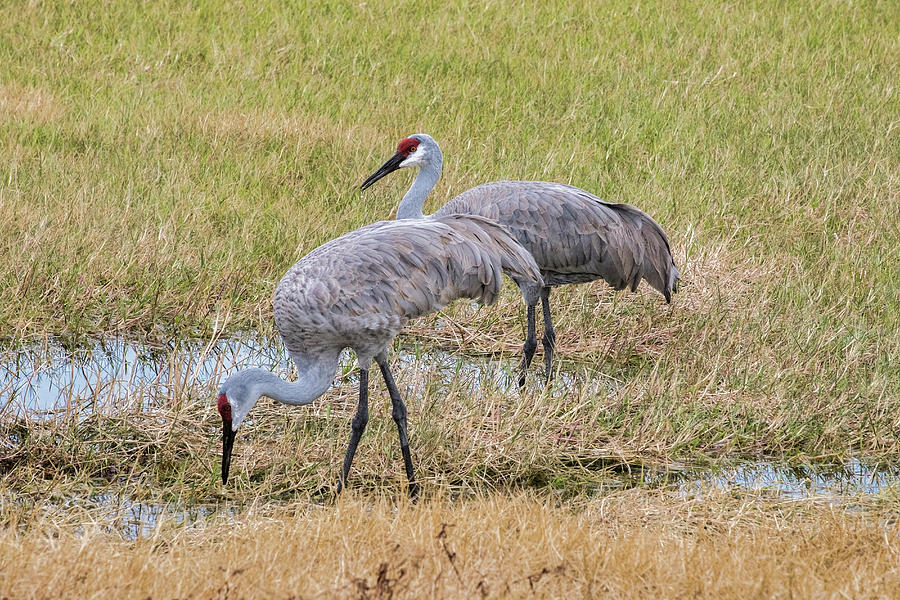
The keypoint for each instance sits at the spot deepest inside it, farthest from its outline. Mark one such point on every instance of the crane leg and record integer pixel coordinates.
(529, 346)
(357, 426)
(549, 339)
(399, 414)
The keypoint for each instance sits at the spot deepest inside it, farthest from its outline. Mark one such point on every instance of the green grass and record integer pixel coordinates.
(165, 164)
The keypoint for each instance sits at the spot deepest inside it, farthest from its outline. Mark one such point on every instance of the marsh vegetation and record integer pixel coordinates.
(164, 164)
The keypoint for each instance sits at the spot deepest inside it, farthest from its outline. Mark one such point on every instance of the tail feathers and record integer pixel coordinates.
(661, 273)
(653, 256)
(674, 278)
(514, 259)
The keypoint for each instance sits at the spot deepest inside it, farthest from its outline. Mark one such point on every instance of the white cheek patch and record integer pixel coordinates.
(237, 418)
(413, 160)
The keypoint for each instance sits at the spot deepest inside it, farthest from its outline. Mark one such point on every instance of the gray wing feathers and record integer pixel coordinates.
(372, 281)
(573, 235)
(653, 257)
(514, 260)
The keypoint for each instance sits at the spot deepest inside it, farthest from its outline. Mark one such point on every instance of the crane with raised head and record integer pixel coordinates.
(574, 236)
(359, 291)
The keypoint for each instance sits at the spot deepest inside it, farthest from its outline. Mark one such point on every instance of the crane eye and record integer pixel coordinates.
(413, 149)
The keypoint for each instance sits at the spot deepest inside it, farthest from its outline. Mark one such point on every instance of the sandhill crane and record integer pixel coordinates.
(574, 236)
(359, 291)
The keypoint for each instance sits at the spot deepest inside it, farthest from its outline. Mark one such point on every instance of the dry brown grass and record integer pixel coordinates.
(303, 128)
(19, 101)
(714, 279)
(630, 545)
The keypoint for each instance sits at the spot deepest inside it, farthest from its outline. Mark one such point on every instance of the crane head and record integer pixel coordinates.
(237, 395)
(227, 435)
(411, 152)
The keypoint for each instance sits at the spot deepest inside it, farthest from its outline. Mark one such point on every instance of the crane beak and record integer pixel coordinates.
(227, 444)
(390, 166)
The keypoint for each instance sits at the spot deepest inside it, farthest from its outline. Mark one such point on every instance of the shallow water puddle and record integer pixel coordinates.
(115, 513)
(836, 483)
(111, 373)
(115, 373)
(848, 484)
(849, 480)
(107, 375)
(134, 520)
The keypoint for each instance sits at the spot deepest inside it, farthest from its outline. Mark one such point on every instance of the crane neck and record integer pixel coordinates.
(308, 387)
(413, 201)
(246, 387)
(315, 374)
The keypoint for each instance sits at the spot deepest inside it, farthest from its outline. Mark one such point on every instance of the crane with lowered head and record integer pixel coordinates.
(359, 291)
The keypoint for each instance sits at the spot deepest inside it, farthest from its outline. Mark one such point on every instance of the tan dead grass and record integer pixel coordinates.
(19, 101)
(630, 545)
(261, 125)
(303, 127)
(715, 280)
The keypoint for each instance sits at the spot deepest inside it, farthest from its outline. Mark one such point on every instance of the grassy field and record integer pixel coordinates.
(165, 163)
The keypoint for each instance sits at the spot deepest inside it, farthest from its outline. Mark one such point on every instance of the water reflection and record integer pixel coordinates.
(833, 482)
(116, 374)
(115, 513)
(850, 479)
(845, 484)
(119, 374)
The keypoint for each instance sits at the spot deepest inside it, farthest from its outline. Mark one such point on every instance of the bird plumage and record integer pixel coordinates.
(574, 236)
(359, 291)
(362, 288)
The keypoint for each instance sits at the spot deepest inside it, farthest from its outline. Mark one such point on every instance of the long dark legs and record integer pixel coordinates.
(529, 346)
(357, 426)
(549, 340)
(399, 413)
(361, 418)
